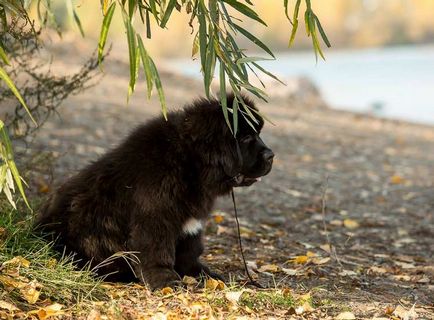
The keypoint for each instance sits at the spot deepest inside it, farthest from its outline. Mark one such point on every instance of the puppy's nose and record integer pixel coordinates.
(268, 155)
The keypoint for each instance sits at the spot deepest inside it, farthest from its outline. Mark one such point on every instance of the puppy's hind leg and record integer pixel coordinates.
(187, 263)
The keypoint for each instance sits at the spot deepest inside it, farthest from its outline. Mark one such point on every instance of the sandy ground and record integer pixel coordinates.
(347, 210)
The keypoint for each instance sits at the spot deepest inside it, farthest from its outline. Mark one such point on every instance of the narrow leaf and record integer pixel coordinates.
(223, 97)
(321, 31)
(159, 88)
(3, 55)
(132, 53)
(235, 115)
(104, 30)
(252, 38)
(4, 76)
(167, 13)
(146, 65)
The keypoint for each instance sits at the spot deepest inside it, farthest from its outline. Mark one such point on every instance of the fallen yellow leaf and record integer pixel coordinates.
(52, 310)
(17, 261)
(351, 224)
(8, 306)
(166, 290)
(213, 284)
(396, 179)
(301, 259)
(345, 316)
(31, 292)
(218, 218)
(269, 268)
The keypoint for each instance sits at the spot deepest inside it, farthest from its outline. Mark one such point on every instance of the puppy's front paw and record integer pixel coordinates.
(159, 278)
(207, 272)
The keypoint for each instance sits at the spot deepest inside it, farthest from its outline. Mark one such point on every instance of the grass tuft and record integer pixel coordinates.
(31, 272)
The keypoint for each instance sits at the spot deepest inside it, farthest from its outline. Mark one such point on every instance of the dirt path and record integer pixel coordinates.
(347, 212)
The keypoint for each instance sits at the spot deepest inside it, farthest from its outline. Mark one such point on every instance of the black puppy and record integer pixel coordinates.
(151, 194)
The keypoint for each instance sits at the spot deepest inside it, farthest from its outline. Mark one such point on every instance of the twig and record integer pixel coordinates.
(323, 213)
(252, 282)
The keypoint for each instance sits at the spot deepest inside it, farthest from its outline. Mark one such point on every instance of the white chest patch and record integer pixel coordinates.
(192, 226)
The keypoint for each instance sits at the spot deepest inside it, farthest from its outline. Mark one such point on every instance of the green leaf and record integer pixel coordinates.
(235, 115)
(167, 13)
(202, 36)
(252, 38)
(146, 65)
(74, 15)
(132, 5)
(17, 179)
(9, 162)
(4, 76)
(294, 22)
(159, 88)
(104, 30)
(131, 37)
(242, 8)
(251, 59)
(223, 100)
(285, 5)
(210, 62)
(321, 31)
(148, 25)
(3, 55)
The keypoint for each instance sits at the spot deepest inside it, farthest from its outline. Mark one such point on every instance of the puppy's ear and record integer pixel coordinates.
(231, 158)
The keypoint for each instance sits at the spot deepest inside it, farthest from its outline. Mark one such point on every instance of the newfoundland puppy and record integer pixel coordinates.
(151, 194)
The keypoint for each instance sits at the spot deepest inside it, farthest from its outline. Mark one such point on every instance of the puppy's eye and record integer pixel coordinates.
(247, 139)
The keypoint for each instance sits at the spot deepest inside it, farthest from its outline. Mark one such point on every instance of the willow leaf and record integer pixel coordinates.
(252, 38)
(4, 76)
(167, 13)
(146, 65)
(104, 30)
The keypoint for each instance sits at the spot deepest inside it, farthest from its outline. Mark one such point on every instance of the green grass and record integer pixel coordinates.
(55, 276)
(264, 300)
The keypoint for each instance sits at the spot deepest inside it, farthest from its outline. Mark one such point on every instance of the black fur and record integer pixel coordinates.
(138, 196)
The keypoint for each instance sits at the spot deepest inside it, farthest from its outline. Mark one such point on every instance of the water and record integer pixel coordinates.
(394, 82)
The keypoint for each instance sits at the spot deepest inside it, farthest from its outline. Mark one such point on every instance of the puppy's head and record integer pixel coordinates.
(244, 158)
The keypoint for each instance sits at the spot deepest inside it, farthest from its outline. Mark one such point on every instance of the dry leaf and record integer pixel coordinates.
(347, 273)
(8, 306)
(213, 284)
(166, 291)
(301, 259)
(189, 280)
(345, 316)
(396, 179)
(378, 270)
(52, 310)
(31, 291)
(234, 296)
(269, 268)
(404, 314)
(17, 261)
(221, 229)
(218, 218)
(290, 272)
(321, 260)
(351, 224)
(326, 247)
(94, 315)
